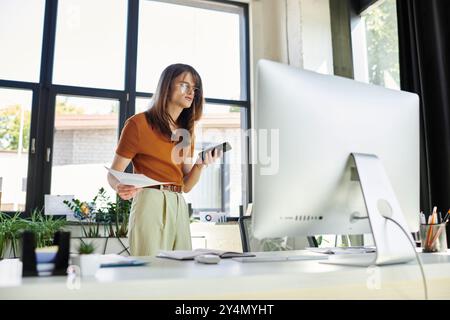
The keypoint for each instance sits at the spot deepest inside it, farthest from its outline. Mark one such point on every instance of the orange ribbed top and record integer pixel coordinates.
(149, 151)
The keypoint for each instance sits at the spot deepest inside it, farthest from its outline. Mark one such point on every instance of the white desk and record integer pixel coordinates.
(170, 279)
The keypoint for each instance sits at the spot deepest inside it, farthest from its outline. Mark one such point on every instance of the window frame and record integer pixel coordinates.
(357, 12)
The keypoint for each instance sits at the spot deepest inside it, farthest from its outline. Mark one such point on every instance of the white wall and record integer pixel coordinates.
(308, 29)
(309, 41)
(316, 36)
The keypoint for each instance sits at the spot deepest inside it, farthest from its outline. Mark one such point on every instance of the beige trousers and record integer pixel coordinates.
(159, 220)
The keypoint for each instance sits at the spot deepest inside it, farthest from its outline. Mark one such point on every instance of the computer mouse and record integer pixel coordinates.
(207, 258)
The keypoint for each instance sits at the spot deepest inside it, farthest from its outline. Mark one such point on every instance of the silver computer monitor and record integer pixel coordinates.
(313, 123)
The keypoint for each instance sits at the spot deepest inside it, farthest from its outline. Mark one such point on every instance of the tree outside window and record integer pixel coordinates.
(375, 42)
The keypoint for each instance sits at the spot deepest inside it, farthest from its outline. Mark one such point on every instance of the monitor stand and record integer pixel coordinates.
(392, 246)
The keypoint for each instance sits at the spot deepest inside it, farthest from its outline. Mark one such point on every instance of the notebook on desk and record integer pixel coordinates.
(114, 261)
(191, 254)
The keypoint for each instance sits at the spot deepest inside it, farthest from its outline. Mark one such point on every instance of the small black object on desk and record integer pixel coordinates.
(29, 261)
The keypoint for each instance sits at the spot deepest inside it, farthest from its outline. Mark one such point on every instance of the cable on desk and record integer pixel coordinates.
(415, 252)
(414, 248)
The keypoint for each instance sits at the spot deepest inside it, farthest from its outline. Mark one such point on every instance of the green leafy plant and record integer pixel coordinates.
(44, 227)
(114, 214)
(118, 213)
(121, 216)
(90, 214)
(382, 43)
(86, 248)
(2, 243)
(10, 228)
(101, 204)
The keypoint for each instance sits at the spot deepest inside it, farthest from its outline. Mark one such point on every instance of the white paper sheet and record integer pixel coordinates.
(133, 179)
(54, 204)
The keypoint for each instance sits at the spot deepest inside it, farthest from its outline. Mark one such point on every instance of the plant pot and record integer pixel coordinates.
(3, 252)
(88, 263)
(12, 252)
(99, 244)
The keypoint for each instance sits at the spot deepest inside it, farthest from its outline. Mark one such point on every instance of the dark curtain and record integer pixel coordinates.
(424, 45)
(361, 5)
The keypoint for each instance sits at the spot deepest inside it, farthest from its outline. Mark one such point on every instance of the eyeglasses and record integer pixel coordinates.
(186, 88)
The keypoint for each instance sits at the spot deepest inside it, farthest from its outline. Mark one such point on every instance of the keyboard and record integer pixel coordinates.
(360, 259)
(279, 257)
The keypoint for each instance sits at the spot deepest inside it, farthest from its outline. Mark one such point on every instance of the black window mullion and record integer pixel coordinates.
(18, 84)
(40, 134)
(32, 152)
(48, 42)
(90, 92)
(48, 145)
(131, 58)
(128, 108)
(144, 95)
(241, 103)
(246, 114)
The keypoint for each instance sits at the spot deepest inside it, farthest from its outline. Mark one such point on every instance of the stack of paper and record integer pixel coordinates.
(190, 255)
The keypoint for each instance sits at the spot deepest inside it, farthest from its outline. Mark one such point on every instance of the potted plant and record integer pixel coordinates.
(10, 228)
(84, 212)
(91, 216)
(86, 248)
(87, 260)
(114, 215)
(119, 213)
(44, 227)
(2, 237)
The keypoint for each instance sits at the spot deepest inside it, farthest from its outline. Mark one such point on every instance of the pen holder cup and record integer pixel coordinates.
(433, 237)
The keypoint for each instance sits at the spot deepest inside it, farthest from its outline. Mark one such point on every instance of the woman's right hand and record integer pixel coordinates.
(127, 192)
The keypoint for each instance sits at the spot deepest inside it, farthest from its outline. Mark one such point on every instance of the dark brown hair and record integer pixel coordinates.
(158, 116)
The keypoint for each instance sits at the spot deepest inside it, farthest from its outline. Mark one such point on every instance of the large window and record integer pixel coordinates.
(21, 29)
(89, 50)
(375, 45)
(208, 37)
(221, 185)
(85, 137)
(73, 71)
(204, 38)
(15, 118)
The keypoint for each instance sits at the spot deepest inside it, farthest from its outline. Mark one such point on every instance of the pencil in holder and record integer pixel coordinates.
(433, 237)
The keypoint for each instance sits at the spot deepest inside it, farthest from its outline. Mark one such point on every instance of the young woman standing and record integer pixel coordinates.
(159, 218)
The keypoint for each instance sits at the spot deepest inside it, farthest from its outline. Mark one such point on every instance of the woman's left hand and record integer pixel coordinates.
(209, 158)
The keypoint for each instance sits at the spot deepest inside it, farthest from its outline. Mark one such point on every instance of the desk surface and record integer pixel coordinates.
(171, 279)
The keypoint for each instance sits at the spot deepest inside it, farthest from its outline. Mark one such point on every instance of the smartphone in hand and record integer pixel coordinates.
(223, 146)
